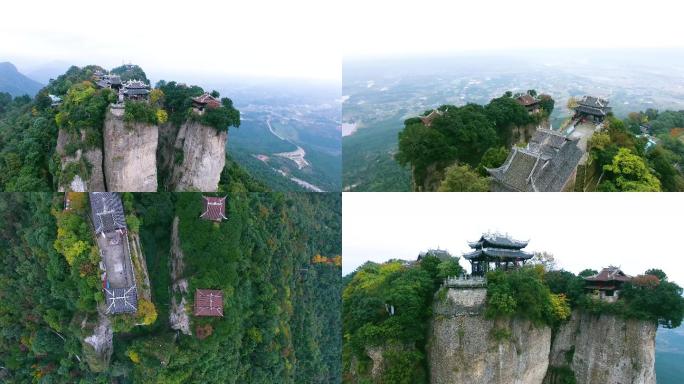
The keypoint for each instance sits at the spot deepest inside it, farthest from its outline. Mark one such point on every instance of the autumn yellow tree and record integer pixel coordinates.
(147, 313)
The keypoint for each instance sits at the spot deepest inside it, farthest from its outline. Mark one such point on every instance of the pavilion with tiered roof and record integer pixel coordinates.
(496, 251)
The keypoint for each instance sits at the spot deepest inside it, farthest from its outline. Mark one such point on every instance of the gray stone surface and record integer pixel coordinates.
(462, 347)
(607, 349)
(204, 156)
(130, 154)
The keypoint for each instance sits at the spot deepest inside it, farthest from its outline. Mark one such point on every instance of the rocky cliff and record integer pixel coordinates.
(130, 154)
(81, 170)
(605, 349)
(199, 157)
(465, 347)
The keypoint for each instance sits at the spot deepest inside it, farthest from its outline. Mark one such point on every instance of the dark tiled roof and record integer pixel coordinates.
(136, 91)
(498, 253)
(121, 300)
(214, 208)
(497, 240)
(107, 212)
(136, 84)
(545, 165)
(593, 106)
(208, 302)
(609, 274)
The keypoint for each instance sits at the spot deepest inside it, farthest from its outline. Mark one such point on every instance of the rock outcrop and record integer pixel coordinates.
(98, 347)
(178, 316)
(199, 158)
(130, 154)
(606, 349)
(82, 170)
(465, 347)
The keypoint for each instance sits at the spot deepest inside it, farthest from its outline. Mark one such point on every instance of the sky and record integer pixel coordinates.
(256, 38)
(582, 230)
(391, 27)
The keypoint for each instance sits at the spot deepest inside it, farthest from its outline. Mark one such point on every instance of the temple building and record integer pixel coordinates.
(427, 120)
(547, 164)
(607, 283)
(592, 109)
(204, 101)
(495, 251)
(135, 90)
(111, 234)
(208, 302)
(214, 208)
(529, 102)
(107, 213)
(109, 81)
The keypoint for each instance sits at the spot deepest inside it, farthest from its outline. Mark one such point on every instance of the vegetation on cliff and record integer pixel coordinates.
(388, 305)
(178, 102)
(463, 135)
(29, 127)
(628, 163)
(281, 313)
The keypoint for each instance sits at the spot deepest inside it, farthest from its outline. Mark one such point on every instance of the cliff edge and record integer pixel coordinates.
(199, 158)
(605, 349)
(130, 160)
(465, 347)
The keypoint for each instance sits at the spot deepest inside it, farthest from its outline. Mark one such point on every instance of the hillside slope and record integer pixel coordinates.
(15, 83)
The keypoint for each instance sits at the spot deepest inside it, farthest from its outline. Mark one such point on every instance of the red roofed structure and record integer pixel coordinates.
(205, 101)
(208, 302)
(608, 282)
(529, 102)
(214, 208)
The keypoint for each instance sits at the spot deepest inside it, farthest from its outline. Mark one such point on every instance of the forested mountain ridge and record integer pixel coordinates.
(403, 324)
(281, 318)
(77, 144)
(15, 83)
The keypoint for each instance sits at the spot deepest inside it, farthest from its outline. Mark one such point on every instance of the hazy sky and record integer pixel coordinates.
(391, 27)
(582, 230)
(294, 38)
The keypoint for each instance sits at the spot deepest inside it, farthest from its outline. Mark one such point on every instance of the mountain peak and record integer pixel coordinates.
(15, 83)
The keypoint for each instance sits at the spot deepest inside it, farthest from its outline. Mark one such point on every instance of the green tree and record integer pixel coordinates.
(493, 158)
(421, 147)
(630, 173)
(461, 178)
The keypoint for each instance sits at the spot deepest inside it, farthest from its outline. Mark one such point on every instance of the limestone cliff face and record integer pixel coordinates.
(465, 347)
(130, 154)
(82, 170)
(606, 349)
(200, 155)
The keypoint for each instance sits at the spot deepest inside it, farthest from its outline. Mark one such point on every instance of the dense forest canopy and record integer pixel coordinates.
(282, 302)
